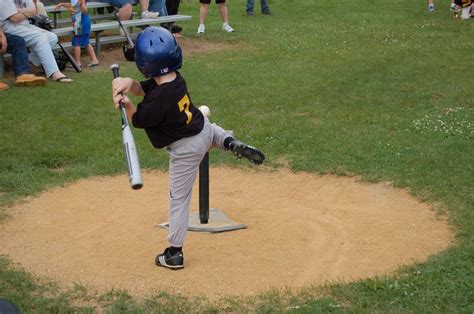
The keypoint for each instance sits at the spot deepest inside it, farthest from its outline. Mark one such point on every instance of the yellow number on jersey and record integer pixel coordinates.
(183, 105)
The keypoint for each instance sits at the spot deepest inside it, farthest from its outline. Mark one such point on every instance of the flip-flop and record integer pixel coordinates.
(64, 79)
(91, 65)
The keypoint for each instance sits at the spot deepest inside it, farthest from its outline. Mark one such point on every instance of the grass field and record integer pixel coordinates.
(380, 89)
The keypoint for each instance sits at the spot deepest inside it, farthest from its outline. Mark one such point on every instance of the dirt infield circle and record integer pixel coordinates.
(302, 229)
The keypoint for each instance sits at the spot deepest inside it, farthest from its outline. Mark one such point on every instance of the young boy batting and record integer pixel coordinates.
(171, 120)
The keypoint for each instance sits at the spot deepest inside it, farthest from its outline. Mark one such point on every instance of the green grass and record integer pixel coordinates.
(381, 89)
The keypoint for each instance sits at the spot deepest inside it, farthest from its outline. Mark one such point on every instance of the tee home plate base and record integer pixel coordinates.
(206, 220)
(218, 222)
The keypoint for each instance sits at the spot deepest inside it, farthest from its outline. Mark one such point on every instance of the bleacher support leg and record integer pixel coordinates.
(97, 43)
(2, 65)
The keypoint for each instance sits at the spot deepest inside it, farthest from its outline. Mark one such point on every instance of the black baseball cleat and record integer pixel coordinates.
(240, 150)
(167, 260)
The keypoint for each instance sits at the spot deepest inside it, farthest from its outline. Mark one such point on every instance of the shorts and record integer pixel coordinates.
(82, 40)
(209, 1)
(118, 3)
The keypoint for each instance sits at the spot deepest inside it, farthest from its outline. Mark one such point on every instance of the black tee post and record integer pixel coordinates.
(204, 190)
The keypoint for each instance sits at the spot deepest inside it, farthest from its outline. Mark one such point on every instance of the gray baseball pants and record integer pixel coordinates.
(185, 156)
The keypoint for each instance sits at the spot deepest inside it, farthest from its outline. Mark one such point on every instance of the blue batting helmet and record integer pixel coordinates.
(157, 52)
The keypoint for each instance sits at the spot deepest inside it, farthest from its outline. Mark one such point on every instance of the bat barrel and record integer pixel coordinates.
(131, 159)
(130, 150)
(136, 185)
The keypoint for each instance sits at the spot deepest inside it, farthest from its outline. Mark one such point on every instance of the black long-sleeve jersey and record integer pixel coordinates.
(167, 113)
(464, 3)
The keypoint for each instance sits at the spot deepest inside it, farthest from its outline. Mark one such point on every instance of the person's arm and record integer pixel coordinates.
(19, 17)
(83, 6)
(35, 3)
(23, 14)
(122, 86)
(3, 42)
(130, 108)
(127, 85)
(63, 5)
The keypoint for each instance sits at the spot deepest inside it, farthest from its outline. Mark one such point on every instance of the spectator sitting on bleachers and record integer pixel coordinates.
(161, 7)
(124, 6)
(147, 12)
(14, 20)
(16, 46)
(158, 6)
(40, 8)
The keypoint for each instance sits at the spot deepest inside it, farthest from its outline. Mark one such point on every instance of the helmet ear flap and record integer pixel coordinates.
(157, 52)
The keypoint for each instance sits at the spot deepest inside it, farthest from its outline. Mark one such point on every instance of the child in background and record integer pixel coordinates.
(431, 6)
(171, 120)
(263, 5)
(81, 24)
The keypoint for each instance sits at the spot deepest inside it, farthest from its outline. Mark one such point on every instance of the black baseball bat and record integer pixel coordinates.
(129, 147)
(70, 58)
(128, 51)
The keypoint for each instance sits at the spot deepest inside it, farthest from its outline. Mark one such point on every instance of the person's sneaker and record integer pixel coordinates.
(201, 29)
(249, 13)
(240, 150)
(4, 86)
(149, 15)
(167, 260)
(29, 80)
(267, 12)
(226, 28)
(431, 7)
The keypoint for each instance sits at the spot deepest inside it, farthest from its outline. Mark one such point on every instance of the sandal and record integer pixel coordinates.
(91, 65)
(64, 79)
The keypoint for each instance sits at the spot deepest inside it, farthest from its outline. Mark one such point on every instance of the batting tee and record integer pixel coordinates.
(208, 220)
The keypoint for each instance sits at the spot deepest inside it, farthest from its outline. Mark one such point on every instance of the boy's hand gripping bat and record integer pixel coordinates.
(130, 149)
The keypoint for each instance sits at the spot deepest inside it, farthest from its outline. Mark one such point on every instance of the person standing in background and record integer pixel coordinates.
(263, 5)
(431, 6)
(203, 10)
(172, 6)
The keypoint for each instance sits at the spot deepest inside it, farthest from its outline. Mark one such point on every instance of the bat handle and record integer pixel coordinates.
(115, 70)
